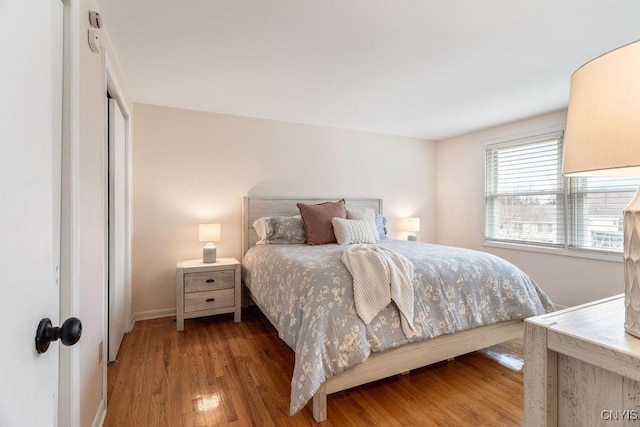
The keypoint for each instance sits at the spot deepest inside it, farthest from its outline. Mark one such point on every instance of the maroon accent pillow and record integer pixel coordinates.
(317, 221)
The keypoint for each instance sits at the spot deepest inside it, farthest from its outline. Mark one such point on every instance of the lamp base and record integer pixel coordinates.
(209, 253)
(631, 256)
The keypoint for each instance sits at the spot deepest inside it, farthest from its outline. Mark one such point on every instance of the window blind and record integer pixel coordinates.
(596, 206)
(525, 191)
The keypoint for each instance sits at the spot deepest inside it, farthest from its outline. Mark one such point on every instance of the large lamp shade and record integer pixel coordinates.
(603, 124)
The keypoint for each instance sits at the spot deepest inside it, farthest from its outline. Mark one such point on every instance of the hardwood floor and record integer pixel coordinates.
(218, 372)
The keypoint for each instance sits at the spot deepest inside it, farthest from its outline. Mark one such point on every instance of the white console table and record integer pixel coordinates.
(581, 368)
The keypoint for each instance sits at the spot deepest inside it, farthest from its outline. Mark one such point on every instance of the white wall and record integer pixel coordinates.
(460, 212)
(192, 167)
(88, 205)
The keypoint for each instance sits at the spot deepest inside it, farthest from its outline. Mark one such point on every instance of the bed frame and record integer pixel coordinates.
(391, 362)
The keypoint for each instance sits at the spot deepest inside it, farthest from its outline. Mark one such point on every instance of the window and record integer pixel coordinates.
(525, 191)
(596, 206)
(528, 201)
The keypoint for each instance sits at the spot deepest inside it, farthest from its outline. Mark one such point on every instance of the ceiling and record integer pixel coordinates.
(429, 69)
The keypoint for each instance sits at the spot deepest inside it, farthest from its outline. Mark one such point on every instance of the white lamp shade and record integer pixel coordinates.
(411, 225)
(209, 232)
(602, 137)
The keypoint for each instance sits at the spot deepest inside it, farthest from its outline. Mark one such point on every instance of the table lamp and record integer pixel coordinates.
(602, 138)
(411, 226)
(209, 233)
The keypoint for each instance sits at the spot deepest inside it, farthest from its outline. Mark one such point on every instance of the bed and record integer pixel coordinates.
(305, 293)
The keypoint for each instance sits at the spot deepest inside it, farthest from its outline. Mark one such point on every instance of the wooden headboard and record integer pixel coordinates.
(257, 207)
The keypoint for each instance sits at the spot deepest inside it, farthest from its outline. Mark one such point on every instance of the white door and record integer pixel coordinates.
(30, 135)
(117, 243)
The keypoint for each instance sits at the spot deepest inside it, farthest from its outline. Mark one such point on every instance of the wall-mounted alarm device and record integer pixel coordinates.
(95, 20)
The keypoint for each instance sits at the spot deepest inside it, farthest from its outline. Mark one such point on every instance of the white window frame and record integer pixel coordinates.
(567, 249)
(559, 237)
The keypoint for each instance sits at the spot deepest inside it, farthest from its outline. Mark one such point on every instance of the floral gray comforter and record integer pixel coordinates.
(307, 291)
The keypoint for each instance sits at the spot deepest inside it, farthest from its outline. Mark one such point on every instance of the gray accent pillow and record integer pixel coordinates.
(280, 230)
(381, 225)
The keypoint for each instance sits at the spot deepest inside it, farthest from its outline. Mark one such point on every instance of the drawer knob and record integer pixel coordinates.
(210, 280)
(211, 299)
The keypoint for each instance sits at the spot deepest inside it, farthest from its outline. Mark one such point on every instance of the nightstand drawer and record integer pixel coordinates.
(199, 301)
(209, 281)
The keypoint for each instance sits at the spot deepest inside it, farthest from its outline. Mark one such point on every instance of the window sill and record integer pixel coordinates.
(555, 251)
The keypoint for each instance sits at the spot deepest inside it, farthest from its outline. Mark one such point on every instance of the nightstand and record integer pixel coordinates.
(207, 289)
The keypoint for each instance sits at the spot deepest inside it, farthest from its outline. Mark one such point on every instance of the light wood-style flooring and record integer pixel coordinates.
(218, 373)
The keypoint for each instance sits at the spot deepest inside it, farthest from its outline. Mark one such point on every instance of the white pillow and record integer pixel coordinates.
(349, 231)
(368, 214)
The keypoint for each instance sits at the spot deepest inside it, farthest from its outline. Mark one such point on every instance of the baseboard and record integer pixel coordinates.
(153, 314)
(101, 415)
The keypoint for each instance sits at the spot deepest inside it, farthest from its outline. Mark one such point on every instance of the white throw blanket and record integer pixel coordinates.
(379, 276)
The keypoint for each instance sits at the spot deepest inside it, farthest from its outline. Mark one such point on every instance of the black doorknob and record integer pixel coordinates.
(69, 333)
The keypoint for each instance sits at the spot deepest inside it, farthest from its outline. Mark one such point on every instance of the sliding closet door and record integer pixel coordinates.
(117, 243)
